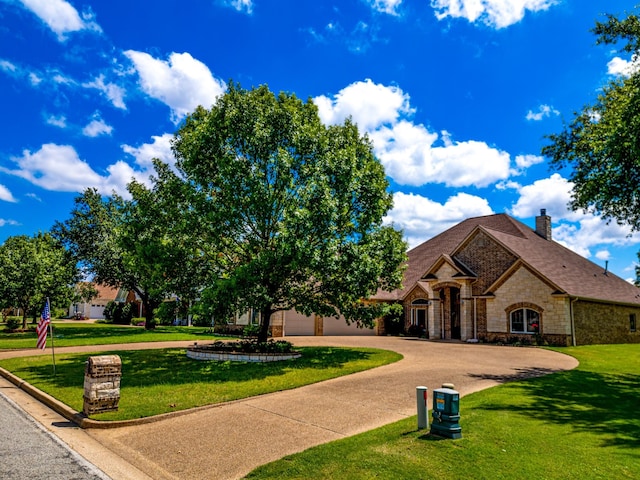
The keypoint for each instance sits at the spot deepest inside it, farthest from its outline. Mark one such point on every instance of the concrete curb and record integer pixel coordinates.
(80, 419)
(84, 422)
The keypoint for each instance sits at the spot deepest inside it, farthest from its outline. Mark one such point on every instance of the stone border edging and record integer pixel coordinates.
(198, 353)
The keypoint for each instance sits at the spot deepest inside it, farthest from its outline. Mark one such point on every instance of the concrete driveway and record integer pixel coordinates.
(230, 440)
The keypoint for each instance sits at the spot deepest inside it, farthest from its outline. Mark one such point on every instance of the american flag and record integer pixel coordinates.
(43, 324)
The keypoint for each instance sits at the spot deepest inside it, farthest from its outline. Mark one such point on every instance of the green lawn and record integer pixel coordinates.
(581, 424)
(73, 334)
(165, 380)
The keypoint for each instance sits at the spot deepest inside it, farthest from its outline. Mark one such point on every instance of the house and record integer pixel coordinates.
(94, 309)
(291, 323)
(493, 278)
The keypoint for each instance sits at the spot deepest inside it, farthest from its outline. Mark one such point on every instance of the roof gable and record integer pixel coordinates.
(559, 266)
(461, 270)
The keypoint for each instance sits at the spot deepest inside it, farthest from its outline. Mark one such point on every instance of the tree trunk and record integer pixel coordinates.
(265, 321)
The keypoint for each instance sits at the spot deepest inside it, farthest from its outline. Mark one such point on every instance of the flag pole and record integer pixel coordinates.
(53, 351)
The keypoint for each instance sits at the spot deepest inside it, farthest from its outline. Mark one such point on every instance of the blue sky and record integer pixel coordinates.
(456, 95)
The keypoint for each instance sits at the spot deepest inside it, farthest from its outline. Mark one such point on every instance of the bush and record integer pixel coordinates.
(415, 331)
(251, 330)
(118, 313)
(165, 314)
(228, 329)
(251, 346)
(13, 323)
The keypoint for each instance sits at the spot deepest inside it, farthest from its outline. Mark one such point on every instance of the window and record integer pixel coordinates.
(419, 312)
(632, 322)
(524, 320)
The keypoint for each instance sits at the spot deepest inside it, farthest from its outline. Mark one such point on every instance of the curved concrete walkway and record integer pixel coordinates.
(229, 440)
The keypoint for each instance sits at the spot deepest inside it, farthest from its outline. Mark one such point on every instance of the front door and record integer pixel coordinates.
(454, 308)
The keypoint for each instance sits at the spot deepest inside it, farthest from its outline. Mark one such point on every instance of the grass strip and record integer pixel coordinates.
(165, 380)
(580, 424)
(77, 334)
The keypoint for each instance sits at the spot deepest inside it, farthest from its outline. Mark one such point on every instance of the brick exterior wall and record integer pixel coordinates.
(486, 259)
(593, 322)
(604, 323)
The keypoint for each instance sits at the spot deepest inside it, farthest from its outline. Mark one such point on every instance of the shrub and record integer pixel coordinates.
(415, 331)
(251, 346)
(251, 330)
(118, 313)
(13, 323)
(165, 313)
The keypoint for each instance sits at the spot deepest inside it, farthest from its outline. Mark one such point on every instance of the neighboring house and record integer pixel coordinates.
(493, 278)
(291, 323)
(94, 309)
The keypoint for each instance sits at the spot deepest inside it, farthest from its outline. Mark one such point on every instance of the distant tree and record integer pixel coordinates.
(286, 211)
(601, 146)
(32, 269)
(110, 240)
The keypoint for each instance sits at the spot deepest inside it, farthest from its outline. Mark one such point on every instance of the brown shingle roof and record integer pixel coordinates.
(573, 274)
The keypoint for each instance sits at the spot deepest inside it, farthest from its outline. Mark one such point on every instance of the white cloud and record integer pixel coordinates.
(4, 222)
(544, 111)
(422, 218)
(57, 121)
(61, 17)
(97, 127)
(553, 194)
(494, 13)
(34, 79)
(603, 255)
(160, 148)
(8, 67)
(113, 92)
(385, 6)
(408, 150)
(591, 232)
(618, 66)
(369, 104)
(241, 5)
(577, 231)
(525, 161)
(410, 157)
(6, 195)
(181, 82)
(59, 168)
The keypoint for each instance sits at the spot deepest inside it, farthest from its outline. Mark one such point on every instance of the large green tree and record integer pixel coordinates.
(123, 244)
(32, 269)
(601, 145)
(287, 211)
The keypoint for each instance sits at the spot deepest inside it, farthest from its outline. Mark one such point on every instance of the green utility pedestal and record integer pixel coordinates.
(446, 413)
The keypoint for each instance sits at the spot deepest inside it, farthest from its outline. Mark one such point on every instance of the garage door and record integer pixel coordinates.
(297, 324)
(338, 326)
(97, 312)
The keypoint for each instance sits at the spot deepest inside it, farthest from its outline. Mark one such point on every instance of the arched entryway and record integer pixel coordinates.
(449, 311)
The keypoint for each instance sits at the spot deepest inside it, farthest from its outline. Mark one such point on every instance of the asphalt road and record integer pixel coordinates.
(28, 451)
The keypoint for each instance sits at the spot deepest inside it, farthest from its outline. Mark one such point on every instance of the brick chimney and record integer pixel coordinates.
(543, 224)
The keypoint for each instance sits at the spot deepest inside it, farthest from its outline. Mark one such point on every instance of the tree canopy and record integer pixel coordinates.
(601, 145)
(286, 211)
(123, 244)
(32, 269)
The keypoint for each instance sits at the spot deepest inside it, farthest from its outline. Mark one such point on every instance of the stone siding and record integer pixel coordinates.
(604, 323)
(523, 289)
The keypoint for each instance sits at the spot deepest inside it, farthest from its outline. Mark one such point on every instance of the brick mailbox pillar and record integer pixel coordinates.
(102, 384)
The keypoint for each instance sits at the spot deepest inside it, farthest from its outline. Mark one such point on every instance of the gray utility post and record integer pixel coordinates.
(421, 400)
